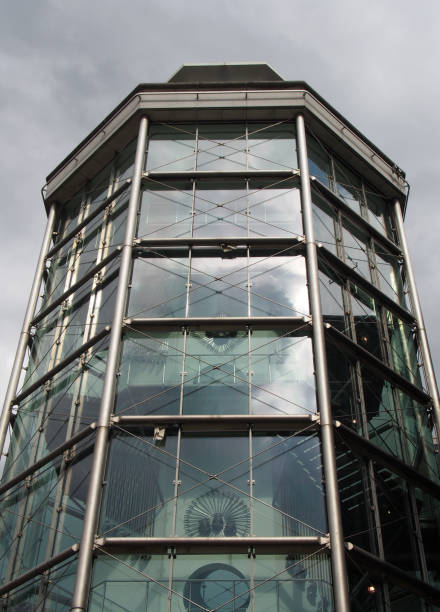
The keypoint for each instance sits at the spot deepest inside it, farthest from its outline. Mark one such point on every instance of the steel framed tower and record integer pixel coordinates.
(228, 401)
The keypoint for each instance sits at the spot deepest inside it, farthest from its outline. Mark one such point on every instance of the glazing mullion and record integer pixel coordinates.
(183, 373)
(193, 210)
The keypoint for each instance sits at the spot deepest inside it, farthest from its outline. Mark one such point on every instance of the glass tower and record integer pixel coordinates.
(222, 397)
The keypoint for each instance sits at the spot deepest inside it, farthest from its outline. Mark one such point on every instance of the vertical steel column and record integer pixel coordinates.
(340, 585)
(91, 516)
(417, 311)
(24, 334)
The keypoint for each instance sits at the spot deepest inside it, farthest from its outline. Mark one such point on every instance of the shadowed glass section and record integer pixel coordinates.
(166, 210)
(288, 499)
(403, 348)
(348, 186)
(355, 248)
(367, 322)
(221, 147)
(150, 373)
(220, 209)
(159, 284)
(319, 161)
(332, 301)
(218, 284)
(282, 373)
(389, 276)
(278, 284)
(324, 222)
(274, 209)
(171, 148)
(272, 147)
(341, 387)
(428, 511)
(216, 373)
(139, 498)
(379, 214)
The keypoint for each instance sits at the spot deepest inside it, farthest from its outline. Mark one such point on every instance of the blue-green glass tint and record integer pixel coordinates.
(282, 373)
(140, 580)
(271, 147)
(159, 285)
(283, 583)
(389, 278)
(278, 284)
(216, 373)
(150, 373)
(218, 284)
(213, 496)
(367, 326)
(428, 510)
(283, 465)
(355, 249)
(403, 348)
(166, 210)
(220, 209)
(171, 148)
(332, 301)
(348, 186)
(379, 214)
(340, 382)
(221, 147)
(274, 209)
(324, 222)
(319, 161)
(139, 496)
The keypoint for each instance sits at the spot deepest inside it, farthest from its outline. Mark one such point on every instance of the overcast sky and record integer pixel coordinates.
(65, 65)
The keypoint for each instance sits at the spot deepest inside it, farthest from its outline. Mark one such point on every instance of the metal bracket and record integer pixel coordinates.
(171, 552)
(251, 552)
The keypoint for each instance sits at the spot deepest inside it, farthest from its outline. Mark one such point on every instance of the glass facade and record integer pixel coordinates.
(214, 489)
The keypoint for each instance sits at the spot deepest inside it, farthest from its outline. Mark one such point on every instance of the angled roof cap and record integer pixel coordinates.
(225, 73)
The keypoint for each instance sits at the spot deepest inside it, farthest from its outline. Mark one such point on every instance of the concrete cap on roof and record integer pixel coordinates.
(225, 73)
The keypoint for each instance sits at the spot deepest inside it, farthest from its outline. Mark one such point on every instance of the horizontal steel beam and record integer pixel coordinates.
(43, 313)
(223, 242)
(39, 569)
(222, 422)
(87, 220)
(48, 458)
(212, 174)
(388, 571)
(355, 217)
(375, 364)
(342, 268)
(367, 450)
(262, 545)
(65, 362)
(294, 323)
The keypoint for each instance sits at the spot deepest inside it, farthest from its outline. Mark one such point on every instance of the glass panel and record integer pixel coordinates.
(141, 580)
(384, 428)
(68, 215)
(282, 373)
(403, 348)
(389, 273)
(139, 496)
(293, 582)
(220, 209)
(117, 219)
(104, 305)
(216, 373)
(332, 302)
(274, 209)
(348, 186)
(282, 466)
(271, 147)
(57, 278)
(159, 284)
(221, 147)
(379, 214)
(125, 162)
(166, 211)
(324, 223)
(396, 524)
(319, 162)
(218, 284)
(171, 148)
(341, 387)
(356, 502)
(366, 321)
(213, 506)
(355, 247)
(98, 188)
(428, 509)
(150, 373)
(278, 284)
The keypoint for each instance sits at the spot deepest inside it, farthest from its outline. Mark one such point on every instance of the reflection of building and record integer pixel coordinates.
(213, 438)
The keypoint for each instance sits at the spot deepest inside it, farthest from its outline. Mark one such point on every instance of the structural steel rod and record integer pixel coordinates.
(39, 569)
(24, 334)
(91, 516)
(48, 458)
(340, 584)
(421, 332)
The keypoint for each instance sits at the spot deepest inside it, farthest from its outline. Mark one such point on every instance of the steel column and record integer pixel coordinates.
(81, 591)
(417, 312)
(24, 334)
(340, 584)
